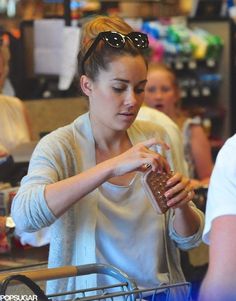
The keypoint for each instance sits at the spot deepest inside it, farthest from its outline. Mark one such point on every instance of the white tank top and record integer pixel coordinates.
(130, 234)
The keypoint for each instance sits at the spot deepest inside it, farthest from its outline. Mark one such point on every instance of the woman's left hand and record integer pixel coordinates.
(179, 192)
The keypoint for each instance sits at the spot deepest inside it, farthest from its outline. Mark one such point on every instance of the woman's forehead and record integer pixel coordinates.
(124, 62)
(161, 74)
(126, 68)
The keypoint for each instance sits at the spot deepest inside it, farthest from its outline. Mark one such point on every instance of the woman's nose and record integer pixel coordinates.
(158, 95)
(131, 99)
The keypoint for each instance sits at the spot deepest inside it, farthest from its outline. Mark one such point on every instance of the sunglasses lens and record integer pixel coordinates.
(114, 39)
(139, 39)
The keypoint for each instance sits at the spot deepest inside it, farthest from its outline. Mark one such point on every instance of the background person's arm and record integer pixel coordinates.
(220, 281)
(201, 151)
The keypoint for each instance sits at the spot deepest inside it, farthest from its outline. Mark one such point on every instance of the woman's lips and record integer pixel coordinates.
(127, 116)
(159, 106)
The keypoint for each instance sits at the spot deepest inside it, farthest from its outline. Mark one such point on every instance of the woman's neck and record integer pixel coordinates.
(108, 140)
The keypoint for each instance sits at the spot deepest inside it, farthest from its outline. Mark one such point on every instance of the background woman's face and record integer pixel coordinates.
(161, 92)
(118, 92)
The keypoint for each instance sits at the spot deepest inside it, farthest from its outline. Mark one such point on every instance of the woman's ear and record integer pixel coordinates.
(86, 84)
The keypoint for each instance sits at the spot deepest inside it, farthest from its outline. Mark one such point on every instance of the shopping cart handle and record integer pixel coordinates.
(72, 271)
(44, 274)
(99, 268)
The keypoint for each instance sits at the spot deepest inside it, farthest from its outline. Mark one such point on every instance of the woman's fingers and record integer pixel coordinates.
(154, 141)
(178, 178)
(178, 204)
(180, 191)
(155, 161)
(151, 158)
(181, 199)
(140, 158)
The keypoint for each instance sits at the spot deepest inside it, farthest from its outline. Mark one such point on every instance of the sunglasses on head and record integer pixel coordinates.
(117, 40)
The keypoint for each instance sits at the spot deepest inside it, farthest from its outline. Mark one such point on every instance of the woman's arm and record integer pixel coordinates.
(53, 184)
(187, 221)
(219, 283)
(201, 151)
(60, 196)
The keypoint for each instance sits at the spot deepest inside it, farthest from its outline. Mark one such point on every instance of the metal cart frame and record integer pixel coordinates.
(124, 289)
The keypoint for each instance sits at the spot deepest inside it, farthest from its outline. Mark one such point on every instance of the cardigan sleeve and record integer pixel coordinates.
(50, 162)
(189, 242)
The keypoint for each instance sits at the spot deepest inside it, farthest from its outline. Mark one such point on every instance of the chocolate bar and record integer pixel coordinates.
(155, 187)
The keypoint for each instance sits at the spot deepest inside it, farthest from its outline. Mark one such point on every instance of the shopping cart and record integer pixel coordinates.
(124, 287)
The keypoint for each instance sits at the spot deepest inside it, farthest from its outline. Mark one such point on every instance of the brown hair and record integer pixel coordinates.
(4, 64)
(100, 58)
(163, 67)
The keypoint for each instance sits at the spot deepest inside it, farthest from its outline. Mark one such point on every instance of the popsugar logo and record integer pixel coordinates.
(18, 298)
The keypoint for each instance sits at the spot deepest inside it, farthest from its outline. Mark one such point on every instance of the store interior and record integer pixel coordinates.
(195, 38)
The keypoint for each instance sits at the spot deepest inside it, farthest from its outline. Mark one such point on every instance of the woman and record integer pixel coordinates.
(85, 179)
(14, 119)
(162, 93)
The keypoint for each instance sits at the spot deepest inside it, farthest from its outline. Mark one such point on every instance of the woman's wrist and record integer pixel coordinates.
(184, 209)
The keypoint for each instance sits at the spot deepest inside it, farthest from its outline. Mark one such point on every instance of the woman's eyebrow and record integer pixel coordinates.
(127, 81)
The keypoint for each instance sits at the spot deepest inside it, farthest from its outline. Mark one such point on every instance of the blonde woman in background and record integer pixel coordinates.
(162, 93)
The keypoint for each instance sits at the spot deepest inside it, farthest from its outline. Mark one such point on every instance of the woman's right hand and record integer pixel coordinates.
(3, 151)
(3, 154)
(139, 158)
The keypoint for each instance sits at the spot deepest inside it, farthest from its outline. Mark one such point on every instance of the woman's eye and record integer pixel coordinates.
(166, 89)
(139, 90)
(151, 89)
(118, 89)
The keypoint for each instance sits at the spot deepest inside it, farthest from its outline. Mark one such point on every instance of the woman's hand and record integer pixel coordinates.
(139, 158)
(3, 154)
(180, 191)
(3, 151)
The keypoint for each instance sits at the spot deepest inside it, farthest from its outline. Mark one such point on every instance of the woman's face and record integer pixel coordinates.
(161, 92)
(118, 92)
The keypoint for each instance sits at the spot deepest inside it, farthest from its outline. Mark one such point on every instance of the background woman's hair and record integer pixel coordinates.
(164, 67)
(4, 63)
(103, 54)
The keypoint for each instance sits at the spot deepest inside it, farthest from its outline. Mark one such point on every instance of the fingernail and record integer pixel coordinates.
(167, 195)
